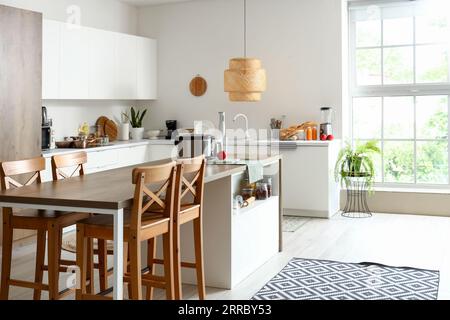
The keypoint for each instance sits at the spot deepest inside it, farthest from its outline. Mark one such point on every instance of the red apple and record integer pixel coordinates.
(323, 137)
(222, 155)
(330, 137)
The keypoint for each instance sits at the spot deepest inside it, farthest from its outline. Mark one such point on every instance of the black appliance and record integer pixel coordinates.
(171, 128)
(46, 130)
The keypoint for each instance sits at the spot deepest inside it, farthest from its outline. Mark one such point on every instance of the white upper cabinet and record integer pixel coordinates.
(82, 63)
(50, 59)
(102, 59)
(147, 69)
(126, 67)
(74, 69)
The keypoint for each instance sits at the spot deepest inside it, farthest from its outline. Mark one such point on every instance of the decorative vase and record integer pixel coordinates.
(137, 133)
(124, 132)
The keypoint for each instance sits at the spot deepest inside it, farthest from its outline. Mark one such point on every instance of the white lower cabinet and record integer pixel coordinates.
(309, 187)
(103, 160)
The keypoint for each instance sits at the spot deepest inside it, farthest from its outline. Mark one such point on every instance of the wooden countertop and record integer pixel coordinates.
(104, 190)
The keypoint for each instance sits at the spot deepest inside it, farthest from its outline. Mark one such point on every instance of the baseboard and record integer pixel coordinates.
(306, 213)
(415, 203)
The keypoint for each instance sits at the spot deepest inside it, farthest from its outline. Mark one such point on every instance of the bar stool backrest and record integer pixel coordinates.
(64, 161)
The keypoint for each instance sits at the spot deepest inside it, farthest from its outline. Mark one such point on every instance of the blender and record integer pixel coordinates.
(327, 116)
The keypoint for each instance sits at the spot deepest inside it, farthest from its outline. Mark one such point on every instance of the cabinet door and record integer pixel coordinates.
(51, 44)
(147, 69)
(74, 71)
(126, 67)
(101, 64)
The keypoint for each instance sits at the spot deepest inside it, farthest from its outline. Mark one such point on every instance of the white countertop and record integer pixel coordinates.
(113, 145)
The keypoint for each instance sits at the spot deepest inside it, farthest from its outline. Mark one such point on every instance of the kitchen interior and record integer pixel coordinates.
(113, 87)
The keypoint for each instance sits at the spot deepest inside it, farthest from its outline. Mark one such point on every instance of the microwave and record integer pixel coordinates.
(46, 138)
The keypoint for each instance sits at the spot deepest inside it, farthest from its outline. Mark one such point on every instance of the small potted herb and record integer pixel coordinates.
(136, 118)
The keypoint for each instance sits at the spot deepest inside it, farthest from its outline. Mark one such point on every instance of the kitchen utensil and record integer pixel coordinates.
(194, 145)
(152, 134)
(64, 144)
(111, 130)
(100, 123)
(198, 86)
(327, 116)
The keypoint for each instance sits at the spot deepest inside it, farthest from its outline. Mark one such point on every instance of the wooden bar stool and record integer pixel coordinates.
(44, 222)
(154, 186)
(75, 162)
(188, 207)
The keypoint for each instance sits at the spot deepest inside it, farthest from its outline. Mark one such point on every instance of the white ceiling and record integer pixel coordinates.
(150, 2)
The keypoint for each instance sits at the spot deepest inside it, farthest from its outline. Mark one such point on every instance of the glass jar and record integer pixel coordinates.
(262, 192)
(247, 193)
(268, 181)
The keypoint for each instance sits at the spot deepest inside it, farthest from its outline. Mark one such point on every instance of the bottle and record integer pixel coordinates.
(309, 134)
(314, 134)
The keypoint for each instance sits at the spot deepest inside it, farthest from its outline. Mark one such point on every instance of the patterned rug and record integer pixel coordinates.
(305, 279)
(292, 223)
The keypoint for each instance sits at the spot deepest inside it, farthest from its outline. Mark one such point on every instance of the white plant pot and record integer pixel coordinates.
(124, 132)
(137, 133)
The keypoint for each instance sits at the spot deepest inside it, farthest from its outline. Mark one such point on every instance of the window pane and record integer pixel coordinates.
(367, 118)
(432, 162)
(432, 117)
(368, 66)
(368, 33)
(398, 31)
(399, 118)
(432, 29)
(398, 65)
(432, 64)
(399, 162)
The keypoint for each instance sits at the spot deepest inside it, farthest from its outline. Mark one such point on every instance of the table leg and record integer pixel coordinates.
(118, 255)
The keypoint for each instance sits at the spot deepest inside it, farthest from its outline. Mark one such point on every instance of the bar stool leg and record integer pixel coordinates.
(53, 261)
(135, 267)
(151, 249)
(40, 262)
(90, 266)
(6, 253)
(177, 262)
(198, 240)
(102, 264)
(81, 262)
(168, 265)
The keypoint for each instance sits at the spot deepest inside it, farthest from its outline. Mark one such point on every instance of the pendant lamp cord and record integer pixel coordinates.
(245, 28)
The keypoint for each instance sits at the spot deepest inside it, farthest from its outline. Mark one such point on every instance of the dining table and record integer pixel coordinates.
(107, 193)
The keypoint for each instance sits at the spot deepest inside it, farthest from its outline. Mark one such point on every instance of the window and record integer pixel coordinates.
(400, 87)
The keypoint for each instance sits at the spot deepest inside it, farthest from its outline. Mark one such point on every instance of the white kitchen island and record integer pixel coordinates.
(236, 242)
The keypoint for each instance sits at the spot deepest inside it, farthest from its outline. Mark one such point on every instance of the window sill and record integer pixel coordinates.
(413, 190)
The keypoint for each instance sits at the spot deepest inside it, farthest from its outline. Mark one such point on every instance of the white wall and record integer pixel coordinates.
(299, 42)
(103, 14)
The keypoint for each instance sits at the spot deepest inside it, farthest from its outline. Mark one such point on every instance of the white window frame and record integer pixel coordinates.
(385, 91)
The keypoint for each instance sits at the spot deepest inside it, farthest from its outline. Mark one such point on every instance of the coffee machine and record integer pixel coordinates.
(171, 128)
(47, 135)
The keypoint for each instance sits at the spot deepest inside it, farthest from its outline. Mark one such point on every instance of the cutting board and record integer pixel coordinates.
(111, 130)
(100, 124)
(198, 86)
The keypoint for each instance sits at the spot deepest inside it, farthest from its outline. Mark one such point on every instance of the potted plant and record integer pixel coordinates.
(136, 118)
(357, 163)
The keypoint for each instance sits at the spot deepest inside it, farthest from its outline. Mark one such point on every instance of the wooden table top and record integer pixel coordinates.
(110, 189)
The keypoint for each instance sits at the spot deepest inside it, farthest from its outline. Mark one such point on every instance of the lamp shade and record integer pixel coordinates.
(245, 80)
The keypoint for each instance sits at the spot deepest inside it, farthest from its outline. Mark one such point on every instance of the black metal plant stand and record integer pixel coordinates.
(356, 206)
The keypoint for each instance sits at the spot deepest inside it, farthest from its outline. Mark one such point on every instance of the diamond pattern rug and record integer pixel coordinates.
(304, 279)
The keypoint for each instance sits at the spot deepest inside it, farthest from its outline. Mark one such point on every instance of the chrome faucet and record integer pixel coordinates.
(241, 115)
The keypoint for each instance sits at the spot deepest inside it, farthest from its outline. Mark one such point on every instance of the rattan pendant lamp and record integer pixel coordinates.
(245, 80)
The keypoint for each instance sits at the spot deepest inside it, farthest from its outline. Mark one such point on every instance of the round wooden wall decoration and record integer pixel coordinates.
(198, 86)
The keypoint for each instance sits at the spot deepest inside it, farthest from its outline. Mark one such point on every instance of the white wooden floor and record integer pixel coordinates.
(397, 240)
